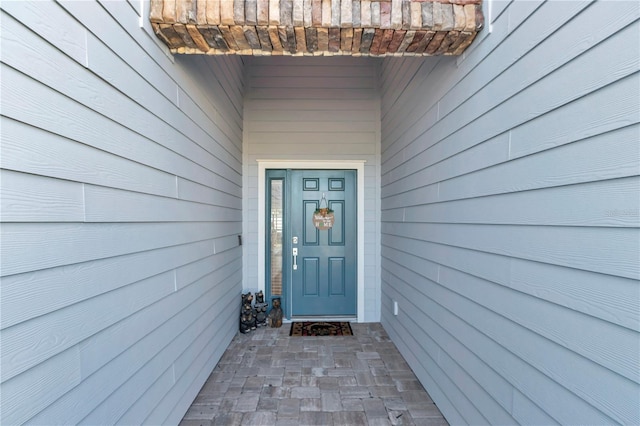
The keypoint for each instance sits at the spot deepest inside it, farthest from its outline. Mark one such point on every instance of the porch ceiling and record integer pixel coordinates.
(317, 27)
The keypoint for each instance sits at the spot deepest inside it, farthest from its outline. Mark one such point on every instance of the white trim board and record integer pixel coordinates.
(263, 165)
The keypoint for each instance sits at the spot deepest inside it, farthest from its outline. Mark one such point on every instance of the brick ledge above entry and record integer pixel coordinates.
(317, 27)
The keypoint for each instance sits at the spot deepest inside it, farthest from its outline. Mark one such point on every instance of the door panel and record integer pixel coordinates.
(336, 233)
(324, 282)
(336, 276)
(310, 236)
(311, 276)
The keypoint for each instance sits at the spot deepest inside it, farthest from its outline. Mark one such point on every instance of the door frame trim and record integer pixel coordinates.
(358, 166)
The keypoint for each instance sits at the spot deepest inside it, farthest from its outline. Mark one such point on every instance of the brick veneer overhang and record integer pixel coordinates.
(317, 27)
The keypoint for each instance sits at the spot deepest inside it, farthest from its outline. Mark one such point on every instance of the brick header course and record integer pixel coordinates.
(317, 27)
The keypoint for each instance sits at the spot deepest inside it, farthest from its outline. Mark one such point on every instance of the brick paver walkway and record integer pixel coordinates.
(268, 378)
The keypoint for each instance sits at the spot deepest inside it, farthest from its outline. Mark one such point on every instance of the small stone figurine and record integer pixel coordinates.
(275, 315)
(246, 322)
(260, 308)
(247, 314)
(247, 299)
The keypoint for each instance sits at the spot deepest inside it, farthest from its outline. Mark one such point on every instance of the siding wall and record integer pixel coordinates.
(121, 200)
(510, 216)
(312, 108)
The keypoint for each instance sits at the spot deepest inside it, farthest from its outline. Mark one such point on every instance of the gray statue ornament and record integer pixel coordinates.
(275, 315)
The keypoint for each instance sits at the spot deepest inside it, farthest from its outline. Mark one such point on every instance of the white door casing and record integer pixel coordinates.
(264, 165)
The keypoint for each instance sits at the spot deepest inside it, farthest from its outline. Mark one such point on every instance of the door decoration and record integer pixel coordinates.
(253, 315)
(323, 217)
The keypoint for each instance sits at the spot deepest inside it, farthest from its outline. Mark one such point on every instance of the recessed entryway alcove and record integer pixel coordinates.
(312, 91)
(500, 199)
(314, 113)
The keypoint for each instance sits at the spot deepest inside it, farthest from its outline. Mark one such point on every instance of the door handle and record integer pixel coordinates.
(295, 258)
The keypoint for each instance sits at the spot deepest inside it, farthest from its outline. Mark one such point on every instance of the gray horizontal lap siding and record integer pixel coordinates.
(121, 201)
(510, 217)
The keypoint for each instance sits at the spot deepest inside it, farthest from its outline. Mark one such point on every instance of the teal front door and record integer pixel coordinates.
(323, 268)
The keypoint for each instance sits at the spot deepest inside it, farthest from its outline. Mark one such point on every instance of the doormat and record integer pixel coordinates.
(320, 328)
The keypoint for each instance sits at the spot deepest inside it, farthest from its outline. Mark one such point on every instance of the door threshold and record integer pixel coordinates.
(322, 318)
